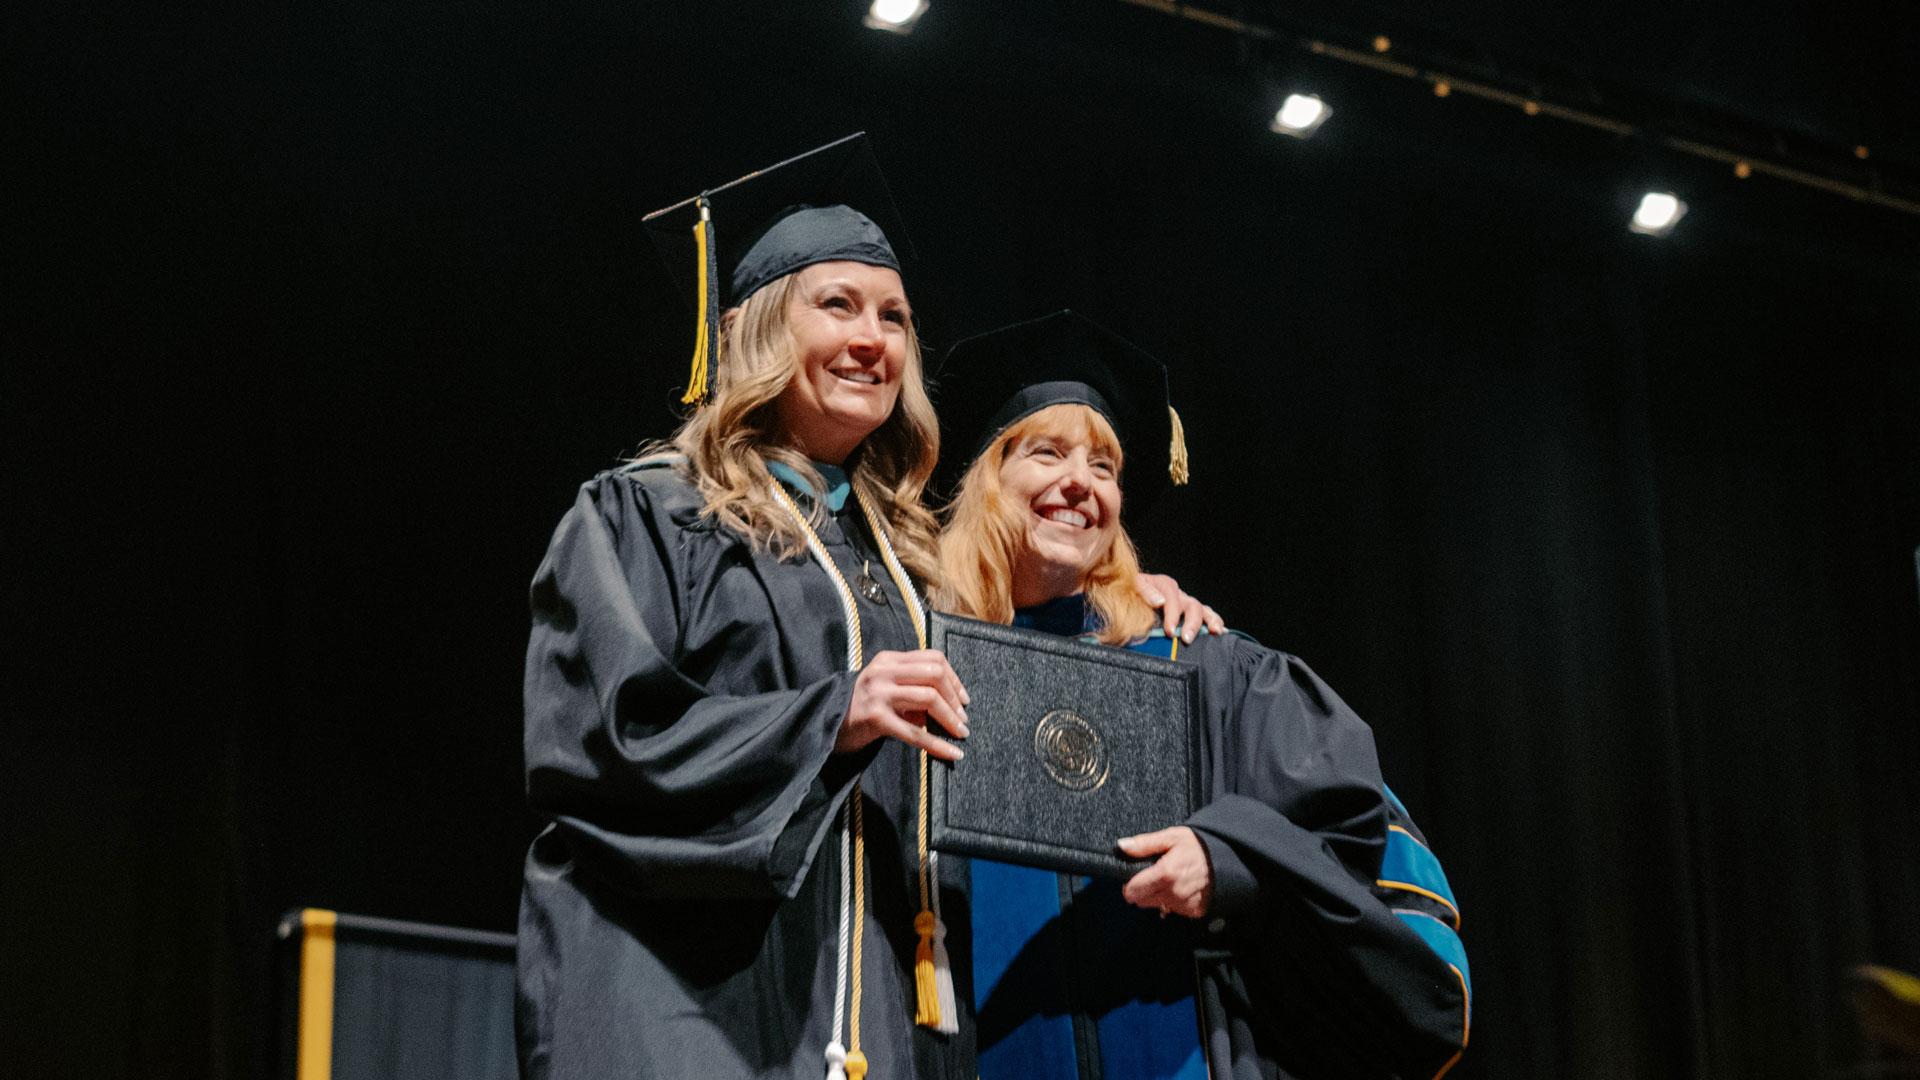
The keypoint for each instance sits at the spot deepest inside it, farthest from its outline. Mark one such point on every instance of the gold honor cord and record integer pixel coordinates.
(932, 972)
(857, 1061)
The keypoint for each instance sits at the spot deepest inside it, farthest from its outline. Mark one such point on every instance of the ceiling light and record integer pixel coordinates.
(895, 15)
(1300, 115)
(1659, 211)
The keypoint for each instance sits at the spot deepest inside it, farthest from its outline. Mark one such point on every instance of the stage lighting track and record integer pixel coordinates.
(1444, 84)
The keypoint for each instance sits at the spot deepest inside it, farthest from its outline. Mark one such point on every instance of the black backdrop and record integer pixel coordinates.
(320, 314)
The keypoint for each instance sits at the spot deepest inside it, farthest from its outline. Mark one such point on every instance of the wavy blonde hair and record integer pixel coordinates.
(984, 531)
(729, 440)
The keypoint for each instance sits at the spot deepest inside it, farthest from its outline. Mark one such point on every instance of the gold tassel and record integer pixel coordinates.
(926, 990)
(1177, 453)
(702, 344)
(856, 1065)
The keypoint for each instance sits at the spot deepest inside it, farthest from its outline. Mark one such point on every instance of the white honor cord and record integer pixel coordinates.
(836, 1040)
(846, 887)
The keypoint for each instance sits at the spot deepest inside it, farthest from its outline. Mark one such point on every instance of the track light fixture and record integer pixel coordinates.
(1658, 213)
(1819, 171)
(1300, 115)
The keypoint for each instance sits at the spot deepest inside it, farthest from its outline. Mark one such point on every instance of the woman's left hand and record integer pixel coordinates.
(1179, 613)
(1181, 883)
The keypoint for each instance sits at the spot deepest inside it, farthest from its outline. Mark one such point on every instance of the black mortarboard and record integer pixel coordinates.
(724, 244)
(991, 381)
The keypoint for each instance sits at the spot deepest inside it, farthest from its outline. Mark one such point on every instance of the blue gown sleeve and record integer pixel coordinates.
(669, 738)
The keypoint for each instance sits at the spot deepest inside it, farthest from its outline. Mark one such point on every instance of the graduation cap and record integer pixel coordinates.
(724, 244)
(989, 382)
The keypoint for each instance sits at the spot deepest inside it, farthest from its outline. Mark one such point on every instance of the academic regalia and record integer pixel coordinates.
(1329, 949)
(679, 915)
(1312, 962)
(697, 906)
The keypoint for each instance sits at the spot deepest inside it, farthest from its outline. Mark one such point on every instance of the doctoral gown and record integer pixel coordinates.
(679, 914)
(1329, 948)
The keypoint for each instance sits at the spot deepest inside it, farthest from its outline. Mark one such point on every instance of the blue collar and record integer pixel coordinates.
(1068, 616)
(836, 477)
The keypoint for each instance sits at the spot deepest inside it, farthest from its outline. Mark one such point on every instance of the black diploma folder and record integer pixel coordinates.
(1072, 746)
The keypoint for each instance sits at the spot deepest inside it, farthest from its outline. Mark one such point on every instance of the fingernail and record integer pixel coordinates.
(957, 752)
(965, 698)
(1187, 636)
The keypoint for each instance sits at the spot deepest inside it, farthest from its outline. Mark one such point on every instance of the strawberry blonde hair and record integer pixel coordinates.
(983, 532)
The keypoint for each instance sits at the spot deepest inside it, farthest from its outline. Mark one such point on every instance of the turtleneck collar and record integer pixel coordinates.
(838, 487)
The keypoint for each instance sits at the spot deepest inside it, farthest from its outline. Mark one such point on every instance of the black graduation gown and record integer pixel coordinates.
(1306, 969)
(1309, 964)
(679, 915)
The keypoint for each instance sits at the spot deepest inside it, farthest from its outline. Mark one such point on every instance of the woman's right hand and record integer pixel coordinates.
(895, 695)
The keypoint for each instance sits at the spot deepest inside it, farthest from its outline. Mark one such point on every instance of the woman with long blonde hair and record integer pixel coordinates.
(1325, 929)
(729, 701)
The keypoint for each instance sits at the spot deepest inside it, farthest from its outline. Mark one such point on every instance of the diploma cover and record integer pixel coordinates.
(1072, 746)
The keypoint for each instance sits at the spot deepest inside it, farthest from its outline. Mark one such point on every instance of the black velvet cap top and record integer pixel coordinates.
(991, 381)
(828, 204)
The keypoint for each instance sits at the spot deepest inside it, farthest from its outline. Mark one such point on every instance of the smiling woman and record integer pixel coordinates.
(730, 706)
(851, 325)
(1064, 487)
(1327, 930)
(1038, 516)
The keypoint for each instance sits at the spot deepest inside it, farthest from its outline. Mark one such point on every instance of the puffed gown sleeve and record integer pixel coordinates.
(1308, 969)
(671, 735)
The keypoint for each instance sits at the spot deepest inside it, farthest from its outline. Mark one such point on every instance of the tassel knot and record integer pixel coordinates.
(836, 1061)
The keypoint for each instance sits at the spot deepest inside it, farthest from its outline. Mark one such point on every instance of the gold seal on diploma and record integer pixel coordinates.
(1071, 751)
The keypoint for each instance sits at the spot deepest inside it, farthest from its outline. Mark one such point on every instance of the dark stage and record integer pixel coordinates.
(320, 314)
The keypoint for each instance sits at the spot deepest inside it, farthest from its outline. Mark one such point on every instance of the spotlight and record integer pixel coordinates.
(1300, 115)
(895, 15)
(1659, 211)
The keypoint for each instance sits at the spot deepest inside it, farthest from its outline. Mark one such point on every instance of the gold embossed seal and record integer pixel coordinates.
(1071, 751)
